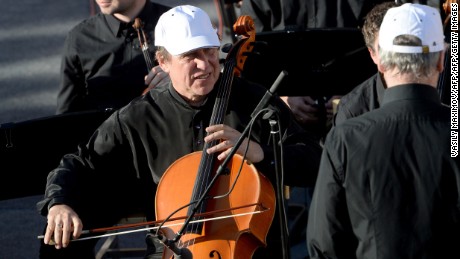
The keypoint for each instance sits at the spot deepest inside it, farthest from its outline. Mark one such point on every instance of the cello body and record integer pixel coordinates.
(230, 237)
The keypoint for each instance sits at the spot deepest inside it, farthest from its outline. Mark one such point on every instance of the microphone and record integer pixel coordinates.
(171, 245)
(268, 95)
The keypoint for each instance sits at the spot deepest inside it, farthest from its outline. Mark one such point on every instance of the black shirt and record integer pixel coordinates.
(387, 186)
(103, 65)
(363, 98)
(124, 160)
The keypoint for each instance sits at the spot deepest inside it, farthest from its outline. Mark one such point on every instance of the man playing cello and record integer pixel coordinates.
(120, 166)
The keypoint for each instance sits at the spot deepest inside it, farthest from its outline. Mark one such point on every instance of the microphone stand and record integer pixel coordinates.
(277, 151)
(171, 243)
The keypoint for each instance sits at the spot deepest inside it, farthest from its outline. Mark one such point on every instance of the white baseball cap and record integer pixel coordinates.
(185, 28)
(418, 20)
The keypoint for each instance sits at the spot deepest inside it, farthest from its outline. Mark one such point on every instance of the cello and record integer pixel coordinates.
(190, 187)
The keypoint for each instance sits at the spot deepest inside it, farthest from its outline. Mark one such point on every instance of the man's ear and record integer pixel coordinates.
(164, 67)
(163, 64)
(440, 65)
(374, 55)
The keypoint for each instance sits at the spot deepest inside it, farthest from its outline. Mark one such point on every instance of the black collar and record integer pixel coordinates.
(118, 27)
(411, 92)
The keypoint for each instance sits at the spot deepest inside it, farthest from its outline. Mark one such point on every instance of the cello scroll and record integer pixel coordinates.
(244, 26)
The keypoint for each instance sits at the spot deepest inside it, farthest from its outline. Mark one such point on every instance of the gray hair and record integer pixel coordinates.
(418, 65)
(162, 53)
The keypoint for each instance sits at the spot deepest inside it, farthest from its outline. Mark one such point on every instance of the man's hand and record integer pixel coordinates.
(62, 222)
(228, 137)
(304, 109)
(155, 77)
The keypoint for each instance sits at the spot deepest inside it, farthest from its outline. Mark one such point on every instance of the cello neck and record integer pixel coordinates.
(232, 67)
(149, 60)
(207, 162)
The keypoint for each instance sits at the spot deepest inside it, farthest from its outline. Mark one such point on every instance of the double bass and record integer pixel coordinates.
(189, 187)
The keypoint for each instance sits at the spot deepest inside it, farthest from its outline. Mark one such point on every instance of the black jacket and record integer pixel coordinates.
(103, 64)
(365, 97)
(387, 185)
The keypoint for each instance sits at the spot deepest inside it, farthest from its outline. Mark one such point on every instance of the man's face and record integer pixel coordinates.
(194, 73)
(114, 6)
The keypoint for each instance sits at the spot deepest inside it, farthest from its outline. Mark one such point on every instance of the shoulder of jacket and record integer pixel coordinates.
(87, 23)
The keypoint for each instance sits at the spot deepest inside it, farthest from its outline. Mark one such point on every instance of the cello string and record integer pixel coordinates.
(216, 118)
(243, 158)
(207, 166)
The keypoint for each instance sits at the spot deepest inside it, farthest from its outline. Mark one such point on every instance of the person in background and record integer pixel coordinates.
(118, 170)
(272, 15)
(387, 185)
(314, 113)
(368, 95)
(103, 65)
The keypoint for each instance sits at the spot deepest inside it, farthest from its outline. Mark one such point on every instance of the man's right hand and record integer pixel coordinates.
(62, 222)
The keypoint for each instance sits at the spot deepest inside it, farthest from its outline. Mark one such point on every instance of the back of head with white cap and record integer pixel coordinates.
(185, 28)
(421, 21)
